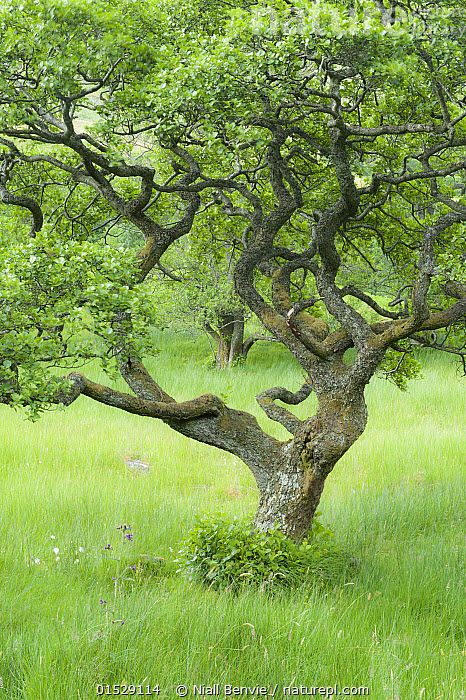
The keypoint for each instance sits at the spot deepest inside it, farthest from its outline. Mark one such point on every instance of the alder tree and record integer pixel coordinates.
(329, 133)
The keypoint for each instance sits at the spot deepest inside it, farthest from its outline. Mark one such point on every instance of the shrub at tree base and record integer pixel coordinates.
(225, 554)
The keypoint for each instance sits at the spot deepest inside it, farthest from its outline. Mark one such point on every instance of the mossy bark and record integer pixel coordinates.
(290, 475)
(292, 493)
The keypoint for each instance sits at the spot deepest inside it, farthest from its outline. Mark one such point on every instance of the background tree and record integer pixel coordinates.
(195, 285)
(340, 122)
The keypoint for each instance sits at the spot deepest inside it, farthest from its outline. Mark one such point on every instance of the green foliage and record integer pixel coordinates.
(225, 554)
(59, 305)
(400, 367)
(200, 74)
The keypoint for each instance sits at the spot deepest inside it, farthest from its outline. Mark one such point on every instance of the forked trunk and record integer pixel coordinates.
(292, 494)
(290, 476)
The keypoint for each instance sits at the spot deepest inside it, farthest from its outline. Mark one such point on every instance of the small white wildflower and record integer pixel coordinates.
(52, 537)
(57, 558)
(76, 561)
(56, 550)
(36, 560)
(81, 549)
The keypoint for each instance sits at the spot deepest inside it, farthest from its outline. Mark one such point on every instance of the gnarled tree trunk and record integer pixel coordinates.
(293, 490)
(290, 475)
(275, 185)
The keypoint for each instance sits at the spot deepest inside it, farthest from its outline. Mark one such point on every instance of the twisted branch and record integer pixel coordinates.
(205, 405)
(266, 401)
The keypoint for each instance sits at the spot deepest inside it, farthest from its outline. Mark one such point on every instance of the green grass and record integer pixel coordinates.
(395, 502)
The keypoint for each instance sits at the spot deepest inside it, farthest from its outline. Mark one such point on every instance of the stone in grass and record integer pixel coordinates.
(136, 465)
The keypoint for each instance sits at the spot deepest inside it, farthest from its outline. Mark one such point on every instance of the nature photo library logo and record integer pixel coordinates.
(323, 18)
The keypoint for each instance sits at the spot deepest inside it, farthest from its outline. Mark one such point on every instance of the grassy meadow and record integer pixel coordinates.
(395, 503)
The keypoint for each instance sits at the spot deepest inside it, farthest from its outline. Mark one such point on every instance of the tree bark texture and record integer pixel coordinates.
(294, 488)
(290, 475)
